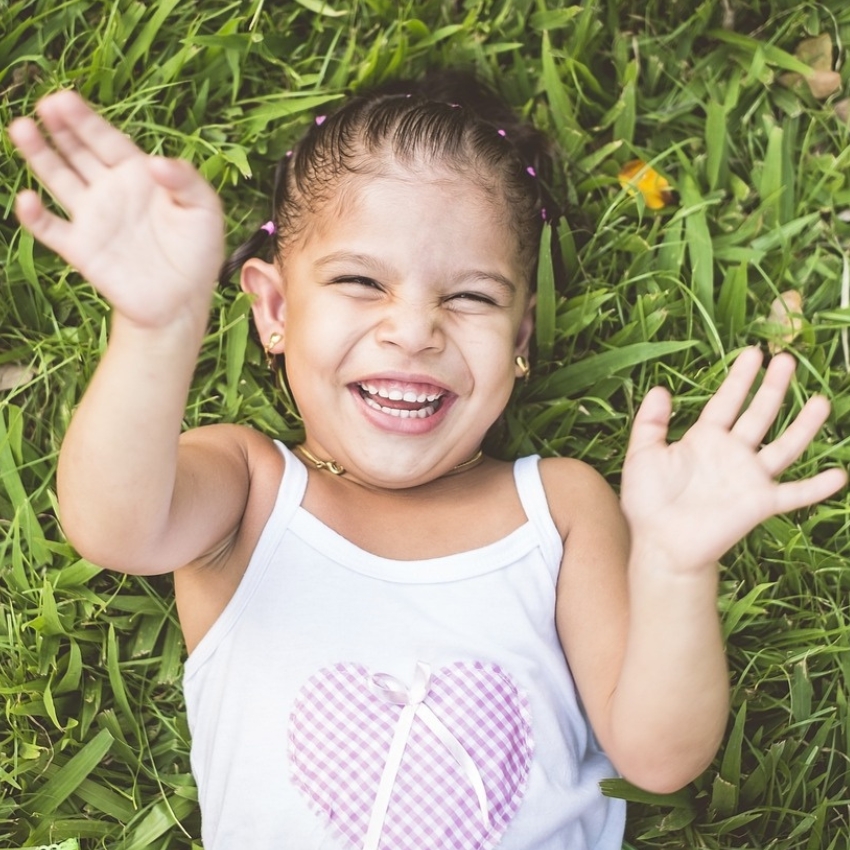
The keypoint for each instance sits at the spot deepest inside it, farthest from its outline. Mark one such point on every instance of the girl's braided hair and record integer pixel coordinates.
(448, 119)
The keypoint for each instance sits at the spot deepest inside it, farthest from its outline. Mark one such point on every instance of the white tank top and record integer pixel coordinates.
(352, 702)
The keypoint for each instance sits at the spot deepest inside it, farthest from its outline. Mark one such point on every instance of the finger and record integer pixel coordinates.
(723, 407)
(651, 421)
(67, 112)
(790, 445)
(186, 186)
(49, 229)
(48, 166)
(793, 495)
(756, 420)
(79, 156)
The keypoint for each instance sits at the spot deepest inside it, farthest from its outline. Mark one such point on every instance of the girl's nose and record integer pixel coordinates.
(411, 326)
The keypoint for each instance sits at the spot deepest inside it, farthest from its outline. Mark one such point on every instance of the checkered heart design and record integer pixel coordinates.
(449, 756)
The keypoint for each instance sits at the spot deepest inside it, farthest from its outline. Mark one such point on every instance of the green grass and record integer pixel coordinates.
(93, 740)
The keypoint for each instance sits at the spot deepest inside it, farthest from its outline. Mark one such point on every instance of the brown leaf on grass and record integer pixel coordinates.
(842, 110)
(786, 319)
(824, 83)
(14, 374)
(816, 53)
(636, 176)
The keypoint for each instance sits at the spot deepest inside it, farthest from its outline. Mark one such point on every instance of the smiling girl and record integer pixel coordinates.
(396, 641)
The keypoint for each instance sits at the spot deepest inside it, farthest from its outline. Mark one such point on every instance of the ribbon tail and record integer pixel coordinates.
(461, 756)
(385, 786)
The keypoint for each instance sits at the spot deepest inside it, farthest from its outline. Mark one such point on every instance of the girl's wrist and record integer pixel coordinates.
(649, 556)
(184, 329)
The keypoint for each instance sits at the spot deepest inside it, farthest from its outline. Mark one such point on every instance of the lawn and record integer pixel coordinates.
(736, 105)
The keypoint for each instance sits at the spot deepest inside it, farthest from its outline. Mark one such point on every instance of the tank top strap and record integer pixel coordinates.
(293, 485)
(532, 495)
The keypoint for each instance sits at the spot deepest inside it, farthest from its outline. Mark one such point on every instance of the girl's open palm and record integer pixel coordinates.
(146, 232)
(694, 499)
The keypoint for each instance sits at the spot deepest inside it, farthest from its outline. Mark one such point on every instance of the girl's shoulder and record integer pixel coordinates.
(252, 457)
(226, 438)
(245, 468)
(576, 493)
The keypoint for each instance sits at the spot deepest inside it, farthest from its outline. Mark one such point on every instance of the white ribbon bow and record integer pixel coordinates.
(389, 689)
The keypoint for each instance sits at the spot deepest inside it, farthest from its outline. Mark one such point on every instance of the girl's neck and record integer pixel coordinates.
(332, 467)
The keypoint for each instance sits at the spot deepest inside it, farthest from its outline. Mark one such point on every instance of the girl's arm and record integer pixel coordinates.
(147, 233)
(644, 643)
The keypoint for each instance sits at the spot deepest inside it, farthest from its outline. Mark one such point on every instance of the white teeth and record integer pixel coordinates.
(423, 413)
(399, 395)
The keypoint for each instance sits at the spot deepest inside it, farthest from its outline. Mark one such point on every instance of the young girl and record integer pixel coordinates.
(395, 641)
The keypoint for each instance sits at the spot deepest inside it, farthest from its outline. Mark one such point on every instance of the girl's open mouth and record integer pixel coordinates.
(402, 401)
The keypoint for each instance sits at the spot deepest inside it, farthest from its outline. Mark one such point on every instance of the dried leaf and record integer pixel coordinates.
(816, 52)
(824, 83)
(786, 316)
(14, 374)
(636, 176)
(842, 110)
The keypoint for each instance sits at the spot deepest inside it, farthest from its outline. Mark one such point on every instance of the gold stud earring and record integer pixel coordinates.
(274, 339)
(523, 365)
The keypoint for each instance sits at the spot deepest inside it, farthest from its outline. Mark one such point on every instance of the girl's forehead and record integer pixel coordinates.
(422, 206)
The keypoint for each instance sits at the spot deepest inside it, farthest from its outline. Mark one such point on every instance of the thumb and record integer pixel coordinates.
(183, 182)
(651, 421)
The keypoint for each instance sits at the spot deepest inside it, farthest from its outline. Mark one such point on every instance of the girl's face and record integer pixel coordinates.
(403, 308)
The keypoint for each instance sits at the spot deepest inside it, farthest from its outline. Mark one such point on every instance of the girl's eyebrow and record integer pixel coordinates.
(504, 283)
(354, 258)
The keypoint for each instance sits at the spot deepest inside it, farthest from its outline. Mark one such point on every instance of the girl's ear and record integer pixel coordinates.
(526, 328)
(264, 282)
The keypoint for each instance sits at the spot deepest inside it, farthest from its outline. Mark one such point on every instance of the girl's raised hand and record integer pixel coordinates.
(692, 500)
(146, 232)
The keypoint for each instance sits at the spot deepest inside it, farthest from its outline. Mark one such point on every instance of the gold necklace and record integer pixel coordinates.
(468, 464)
(336, 469)
(331, 465)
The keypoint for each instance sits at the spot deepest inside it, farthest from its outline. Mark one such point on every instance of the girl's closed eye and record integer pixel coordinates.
(464, 299)
(470, 300)
(358, 284)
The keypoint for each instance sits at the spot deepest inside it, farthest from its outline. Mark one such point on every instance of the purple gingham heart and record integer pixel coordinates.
(341, 731)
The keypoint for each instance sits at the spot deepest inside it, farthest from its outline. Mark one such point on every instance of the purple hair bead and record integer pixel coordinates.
(531, 171)
(502, 133)
(320, 119)
(269, 228)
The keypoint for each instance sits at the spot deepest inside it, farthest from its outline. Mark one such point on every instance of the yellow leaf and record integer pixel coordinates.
(636, 176)
(786, 316)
